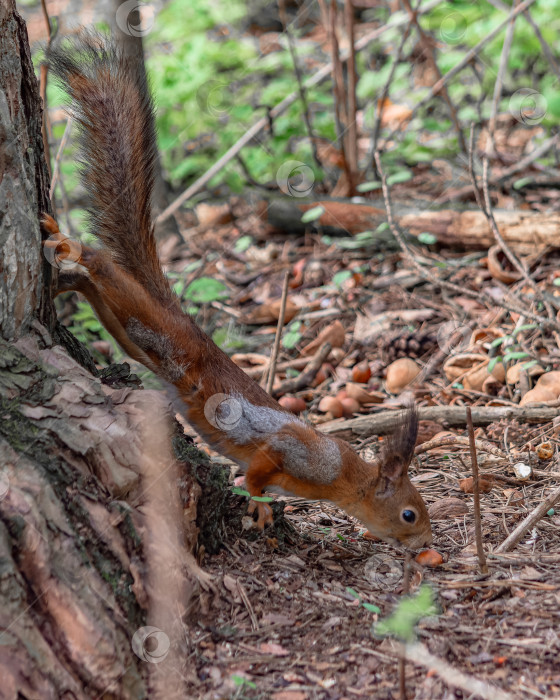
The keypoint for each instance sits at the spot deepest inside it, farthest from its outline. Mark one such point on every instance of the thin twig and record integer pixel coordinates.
(508, 39)
(43, 79)
(305, 377)
(384, 93)
(63, 142)
(432, 277)
(338, 79)
(514, 260)
(352, 135)
(421, 656)
(459, 441)
(427, 43)
(465, 61)
(485, 207)
(530, 521)
(472, 175)
(299, 79)
(402, 660)
(519, 166)
(281, 317)
(476, 495)
(547, 51)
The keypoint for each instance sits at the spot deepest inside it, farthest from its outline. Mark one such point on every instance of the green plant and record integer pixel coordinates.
(408, 613)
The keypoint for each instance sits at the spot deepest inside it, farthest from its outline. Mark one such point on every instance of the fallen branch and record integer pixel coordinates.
(530, 521)
(304, 379)
(458, 441)
(421, 656)
(382, 423)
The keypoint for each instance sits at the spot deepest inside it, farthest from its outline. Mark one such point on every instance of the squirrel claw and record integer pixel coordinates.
(264, 513)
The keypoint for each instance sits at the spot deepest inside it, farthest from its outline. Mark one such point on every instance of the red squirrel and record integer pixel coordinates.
(125, 284)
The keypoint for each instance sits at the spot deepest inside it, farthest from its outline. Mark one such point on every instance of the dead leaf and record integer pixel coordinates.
(269, 312)
(333, 334)
(485, 484)
(445, 508)
(274, 649)
(393, 115)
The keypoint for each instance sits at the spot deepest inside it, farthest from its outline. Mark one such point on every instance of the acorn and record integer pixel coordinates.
(361, 372)
(350, 406)
(400, 373)
(429, 557)
(293, 404)
(329, 404)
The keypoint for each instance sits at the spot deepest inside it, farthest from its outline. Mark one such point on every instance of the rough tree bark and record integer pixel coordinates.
(93, 587)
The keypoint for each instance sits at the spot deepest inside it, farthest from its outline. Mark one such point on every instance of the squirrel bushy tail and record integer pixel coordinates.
(111, 103)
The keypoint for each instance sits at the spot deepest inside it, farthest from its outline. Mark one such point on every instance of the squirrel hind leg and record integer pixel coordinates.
(264, 512)
(262, 468)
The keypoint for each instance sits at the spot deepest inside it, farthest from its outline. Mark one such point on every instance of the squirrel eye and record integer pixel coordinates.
(409, 516)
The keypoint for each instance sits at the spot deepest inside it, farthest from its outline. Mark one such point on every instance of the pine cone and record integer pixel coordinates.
(515, 435)
(403, 343)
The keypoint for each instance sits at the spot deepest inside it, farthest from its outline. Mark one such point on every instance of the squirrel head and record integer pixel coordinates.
(390, 506)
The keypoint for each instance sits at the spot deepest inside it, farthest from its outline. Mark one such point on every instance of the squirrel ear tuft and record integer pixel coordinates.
(398, 449)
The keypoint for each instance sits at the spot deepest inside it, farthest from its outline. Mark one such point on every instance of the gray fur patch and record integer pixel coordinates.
(148, 340)
(243, 422)
(320, 463)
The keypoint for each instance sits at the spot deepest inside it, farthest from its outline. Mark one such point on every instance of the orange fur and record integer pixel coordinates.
(126, 286)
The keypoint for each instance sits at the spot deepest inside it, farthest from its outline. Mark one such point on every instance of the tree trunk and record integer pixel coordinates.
(92, 588)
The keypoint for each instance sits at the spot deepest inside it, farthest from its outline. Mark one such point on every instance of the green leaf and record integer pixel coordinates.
(370, 607)
(528, 365)
(240, 492)
(206, 289)
(352, 592)
(401, 176)
(556, 282)
(242, 244)
(498, 341)
(240, 682)
(312, 214)
(262, 499)
(368, 186)
(179, 288)
(427, 238)
(407, 615)
(340, 277)
(518, 184)
(550, 512)
(525, 327)
(493, 362)
(292, 337)
(521, 355)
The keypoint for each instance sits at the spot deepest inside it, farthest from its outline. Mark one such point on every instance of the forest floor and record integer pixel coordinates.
(288, 619)
(293, 612)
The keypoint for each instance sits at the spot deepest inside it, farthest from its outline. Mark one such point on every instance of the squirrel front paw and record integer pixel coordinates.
(59, 249)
